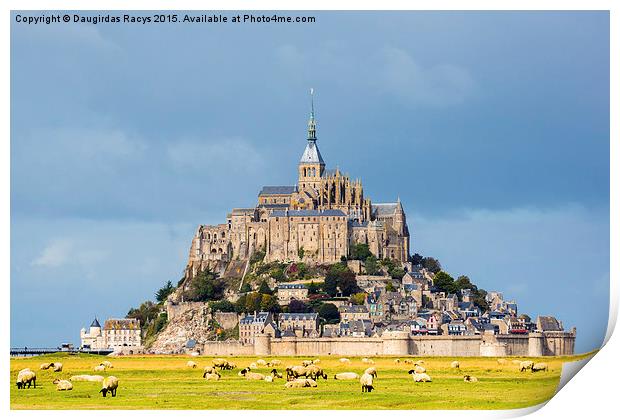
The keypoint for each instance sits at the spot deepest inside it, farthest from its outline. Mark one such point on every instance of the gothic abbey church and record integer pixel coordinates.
(315, 221)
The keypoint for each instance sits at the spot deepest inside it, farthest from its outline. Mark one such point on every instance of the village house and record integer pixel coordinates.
(353, 312)
(290, 291)
(253, 324)
(301, 324)
(116, 334)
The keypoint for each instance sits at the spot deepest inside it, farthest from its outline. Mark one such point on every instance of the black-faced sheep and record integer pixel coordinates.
(211, 376)
(537, 367)
(315, 372)
(371, 371)
(455, 365)
(63, 385)
(469, 378)
(109, 384)
(99, 368)
(45, 366)
(208, 369)
(294, 372)
(523, 366)
(419, 377)
(366, 382)
(57, 366)
(107, 364)
(26, 377)
(191, 364)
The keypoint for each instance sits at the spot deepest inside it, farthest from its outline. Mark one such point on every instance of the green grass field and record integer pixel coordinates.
(164, 382)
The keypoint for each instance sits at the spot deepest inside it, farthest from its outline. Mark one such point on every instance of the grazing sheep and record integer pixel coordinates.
(57, 366)
(268, 378)
(420, 377)
(273, 376)
(223, 364)
(371, 371)
(408, 361)
(366, 381)
(468, 378)
(107, 364)
(110, 384)
(274, 362)
(261, 362)
(301, 383)
(26, 377)
(540, 367)
(306, 363)
(229, 366)
(211, 376)
(315, 372)
(344, 360)
(397, 361)
(100, 368)
(24, 370)
(86, 378)
(346, 376)
(253, 365)
(501, 361)
(253, 376)
(209, 369)
(455, 365)
(419, 362)
(294, 372)
(191, 364)
(63, 385)
(523, 366)
(367, 360)
(419, 369)
(45, 366)
(316, 361)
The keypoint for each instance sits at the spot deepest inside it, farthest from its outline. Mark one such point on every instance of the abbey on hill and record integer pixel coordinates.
(317, 221)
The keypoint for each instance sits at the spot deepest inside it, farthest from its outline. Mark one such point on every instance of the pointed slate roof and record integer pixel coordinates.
(95, 323)
(311, 153)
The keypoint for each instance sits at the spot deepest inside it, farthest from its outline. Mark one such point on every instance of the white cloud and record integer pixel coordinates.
(55, 254)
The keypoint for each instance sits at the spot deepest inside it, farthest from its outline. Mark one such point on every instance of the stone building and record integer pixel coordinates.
(253, 324)
(300, 324)
(116, 334)
(316, 220)
(354, 312)
(290, 291)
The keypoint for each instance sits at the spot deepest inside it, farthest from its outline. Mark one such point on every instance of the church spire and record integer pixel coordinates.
(312, 122)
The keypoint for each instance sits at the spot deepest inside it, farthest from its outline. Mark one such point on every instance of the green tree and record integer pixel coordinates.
(206, 286)
(313, 289)
(240, 304)
(264, 288)
(416, 259)
(145, 313)
(389, 287)
(463, 282)
(329, 313)
(360, 252)
(301, 253)
(269, 303)
(222, 306)
(164, 292)
(372, 267)
(257, 257)
(444, 282)
(253, 302)
(396, 272)
(297, 306)
(277, 274)
(246, 288)
(431, 264)
(358, 298)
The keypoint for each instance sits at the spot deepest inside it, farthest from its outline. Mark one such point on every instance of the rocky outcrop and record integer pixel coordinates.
(190, 322)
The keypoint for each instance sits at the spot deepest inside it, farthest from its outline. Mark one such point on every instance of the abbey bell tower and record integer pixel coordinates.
(311, 164)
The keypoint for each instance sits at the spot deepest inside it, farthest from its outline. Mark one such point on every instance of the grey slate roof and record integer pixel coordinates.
(302, 213)
(298, 316)
(292, 286)
(277, 190)
(95, 323)
(384, 209)
(311, 154)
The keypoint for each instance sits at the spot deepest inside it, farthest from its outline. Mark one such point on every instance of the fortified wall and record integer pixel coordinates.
(400, 343)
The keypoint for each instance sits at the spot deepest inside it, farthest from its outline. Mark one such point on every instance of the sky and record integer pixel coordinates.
(491, 127)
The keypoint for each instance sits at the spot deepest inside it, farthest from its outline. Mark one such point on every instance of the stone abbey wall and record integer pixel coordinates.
(400, 343)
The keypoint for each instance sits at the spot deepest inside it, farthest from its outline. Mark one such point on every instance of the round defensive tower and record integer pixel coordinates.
(262, 344)
(395, 343)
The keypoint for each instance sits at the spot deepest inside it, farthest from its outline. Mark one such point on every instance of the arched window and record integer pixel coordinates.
(213, 251)
(215, 236)
(220, 250)
(223, 235)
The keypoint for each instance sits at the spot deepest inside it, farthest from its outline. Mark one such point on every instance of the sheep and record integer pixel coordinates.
(107, 364)
(306, 363)
(274, 362)
(86, 378)
(274, 375)
(344, 360)
(253, 366)
(223, 364)
(397, 361)
(261, 362)
(211, 376)
(468, 378)
(501, 361)
(346, 376)
(537, 367)
(45, 366)
(63, 385)
(419, 377)
(253, 376)
(419, 369)
(523, 366)
(419, 362)
(229, 366)
(191, 364)
(24, 370)
(57, 366)
(26, 377)
(316, 361)
(209, 369)
(366, 382)
(100, 368)
(367, 360)
(408, 361)
(301, 383)
(268, 378)
(455, 365)
(296, 372)
(371, 371)
(109, 384)
(315, 372)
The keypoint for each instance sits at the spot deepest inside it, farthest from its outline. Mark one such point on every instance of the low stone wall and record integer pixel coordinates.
(226, 348)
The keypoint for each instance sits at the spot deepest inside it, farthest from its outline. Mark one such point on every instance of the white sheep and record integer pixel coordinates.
(316, 361)
(346, 376)
(99, 368)
(107, 364)
(366, 382)
(537, 367)
(191, 364)
(306, 363)
(455, 365)
(26, 377)
(344, 360)
(109, 384)
(501, 361)
(57, 366)
(419, 369)
(396, 361)
(211, 376)
(468, 378)
(367, 360)
(253, 365)
(45, 366)
(252, 376)
(86, 378)
(523, 366)
(63, 385)
(274, 374)
(420, 377)
(209, 369)
(301, 383)
(274, 362)
(261, 362)
(371, 371)
(419, 362)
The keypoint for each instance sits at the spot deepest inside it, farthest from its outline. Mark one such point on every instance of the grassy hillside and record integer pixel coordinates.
(164, 382)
